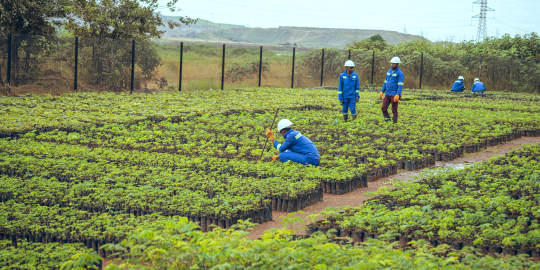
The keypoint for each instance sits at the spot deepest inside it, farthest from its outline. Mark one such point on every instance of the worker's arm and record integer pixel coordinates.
(340, 88)
(282, 147)
(473, 87)
(401, 79)
(357, 94)
(383, 89)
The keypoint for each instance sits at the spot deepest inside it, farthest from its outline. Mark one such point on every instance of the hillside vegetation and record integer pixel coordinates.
(302, 36)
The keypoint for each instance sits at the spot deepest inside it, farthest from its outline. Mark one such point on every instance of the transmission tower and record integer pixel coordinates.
(482, 29)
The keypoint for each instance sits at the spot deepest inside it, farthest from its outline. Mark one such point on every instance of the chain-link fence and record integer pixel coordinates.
(49, 64)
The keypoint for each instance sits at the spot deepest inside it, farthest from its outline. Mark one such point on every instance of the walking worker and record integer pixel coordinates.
(349, 90)
(478, 87)
(392, 87)
(458, 85)
(296, 147)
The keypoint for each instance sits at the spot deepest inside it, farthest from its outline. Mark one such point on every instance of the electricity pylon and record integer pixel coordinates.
(482, 29)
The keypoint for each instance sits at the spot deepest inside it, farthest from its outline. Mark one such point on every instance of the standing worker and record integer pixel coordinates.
(458, 85)
(349, 90)
(392, 87)
(478, 87)
(296, 147)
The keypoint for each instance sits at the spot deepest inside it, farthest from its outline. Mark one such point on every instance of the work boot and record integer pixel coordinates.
(387, 118)
(354, 117)
(394, 119)
(345, 117)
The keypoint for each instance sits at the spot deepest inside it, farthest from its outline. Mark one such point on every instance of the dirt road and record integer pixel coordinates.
(357, 197)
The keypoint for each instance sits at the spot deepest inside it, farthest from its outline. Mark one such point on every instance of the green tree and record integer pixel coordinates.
(28, 17)
(119, 19)
(368, 45)
(376, 38)
(112, 21)
(31, 17)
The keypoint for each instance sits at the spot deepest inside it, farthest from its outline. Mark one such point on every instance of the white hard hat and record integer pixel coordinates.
(349, 63)
(461, 78)
(395, 60)
(476, 79)
(283, 123)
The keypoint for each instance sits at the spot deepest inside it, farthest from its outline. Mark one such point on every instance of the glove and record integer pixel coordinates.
(270, 135)
(357, 99)
(396, 98)
(275, 157)
(380, 95)
(341, 100)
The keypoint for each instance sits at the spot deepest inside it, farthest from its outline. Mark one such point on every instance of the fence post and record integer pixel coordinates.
(223, 68)
(372, 66)
(181, 62)
(322, 67)
(349, 54)
(132, 65)
(260, 67)
(10, 40)
(293, 55)
(421, 70)
(76, 62)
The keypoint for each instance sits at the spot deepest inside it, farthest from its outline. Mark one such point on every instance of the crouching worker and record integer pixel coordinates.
(458, 85)
(296, 147)
(478, 87)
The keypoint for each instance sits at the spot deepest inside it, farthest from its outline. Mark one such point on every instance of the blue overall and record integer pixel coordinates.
(478, 87)
(297, 148)
(458, 86)
(349, 91)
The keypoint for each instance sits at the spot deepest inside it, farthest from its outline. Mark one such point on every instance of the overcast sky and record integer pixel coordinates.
(436, 20)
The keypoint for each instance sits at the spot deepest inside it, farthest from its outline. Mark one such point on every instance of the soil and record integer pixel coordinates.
(357, 197)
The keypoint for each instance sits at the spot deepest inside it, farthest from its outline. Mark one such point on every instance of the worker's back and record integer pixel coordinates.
(458, 86)
(478, 87)
(298, 143)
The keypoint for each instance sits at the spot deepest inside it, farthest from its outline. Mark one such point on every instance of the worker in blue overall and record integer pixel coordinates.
(349, 90)
(478, 87)
(392, 87)
(296, 147)
(458, 85)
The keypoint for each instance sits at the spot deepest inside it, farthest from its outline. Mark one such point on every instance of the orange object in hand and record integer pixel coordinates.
(396, 98)
(275, 157)
(380, 95)
(270, 135)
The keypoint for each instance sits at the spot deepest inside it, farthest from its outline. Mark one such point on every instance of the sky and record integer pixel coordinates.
(436, 20)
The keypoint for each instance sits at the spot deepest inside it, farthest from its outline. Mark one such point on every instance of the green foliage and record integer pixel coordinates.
(43, 256)
(183, 247)
(377, 37)
(250, 68)
(31, 17)
(118, 19)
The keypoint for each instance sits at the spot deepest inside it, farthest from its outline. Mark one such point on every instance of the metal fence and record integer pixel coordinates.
(50, 64)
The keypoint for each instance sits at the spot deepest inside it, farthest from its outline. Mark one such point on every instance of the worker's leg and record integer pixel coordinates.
(385, 103)
(352, 106)
(345, 109)
(312, 161)
(395, 109)
(295, 157)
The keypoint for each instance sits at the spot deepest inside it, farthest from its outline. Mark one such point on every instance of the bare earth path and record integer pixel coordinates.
(357, 197)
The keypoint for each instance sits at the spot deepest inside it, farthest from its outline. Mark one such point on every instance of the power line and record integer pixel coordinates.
(509, 25)
(528, 9)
